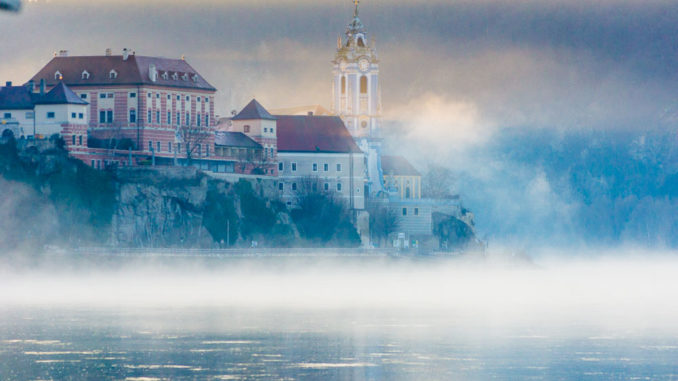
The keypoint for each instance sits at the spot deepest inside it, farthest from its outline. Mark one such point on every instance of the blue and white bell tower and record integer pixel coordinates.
(356, 94)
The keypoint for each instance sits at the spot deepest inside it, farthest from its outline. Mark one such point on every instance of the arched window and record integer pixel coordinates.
(343, 85)
(58, 76)
(407, 193)
(361, 42)
(363, 85)
(112, 74)
(85, 74)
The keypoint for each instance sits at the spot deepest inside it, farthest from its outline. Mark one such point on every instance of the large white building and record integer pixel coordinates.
(356, 95)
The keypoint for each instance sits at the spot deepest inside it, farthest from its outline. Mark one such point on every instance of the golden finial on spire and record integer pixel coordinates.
(356, 2)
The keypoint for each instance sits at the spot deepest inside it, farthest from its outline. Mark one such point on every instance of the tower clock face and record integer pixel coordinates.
(364, 64)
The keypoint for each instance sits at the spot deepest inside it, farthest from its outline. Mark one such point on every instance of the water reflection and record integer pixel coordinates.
(383, 321)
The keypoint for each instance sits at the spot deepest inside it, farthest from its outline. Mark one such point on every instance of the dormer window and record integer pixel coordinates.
(85, 74)
(58, 76)
(165, 76)
(175, 76)
(185, 77)
(195, 78)
(112, 74)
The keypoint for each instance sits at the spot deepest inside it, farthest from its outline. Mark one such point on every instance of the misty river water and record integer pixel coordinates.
(343, 320)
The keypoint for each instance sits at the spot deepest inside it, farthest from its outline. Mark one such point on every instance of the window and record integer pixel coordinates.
(73, 115)
(326, 167)
(83, 96)
(157, 117)
(132, 116)
(168, 97)
(80, 139)
(157, 95)
(207, 120)
(110, 95)
(188, 119)
(8, 115)
(315, 167)
(198, 119)
(246, 129)
(178, 97)
(272, 130)
(416, 211)
(149, 95)
(73, 139)
(81, 116)
(109, 116)
(294, 186)
(326, 187)
(169, 146)
(169, 117)
(363, 85)
(404, 211)
(112, 74)
(93, 164)
(343, 85)
(132, 95)
(58, 76)
(188, 98)
(199, 150)
(50, 115)
(178, 119)
(207, 151)
(158, 145)
(149, 116)
(178, 147)
(281, 186)
(85, 74)
(102, 96)
(102, 116)
(338, 167)
(265, 129)
(198, 99)
(338, 187)
(207, 100)
(150, 145)
(294, 167)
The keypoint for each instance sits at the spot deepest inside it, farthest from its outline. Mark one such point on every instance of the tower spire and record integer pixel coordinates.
(355, 13)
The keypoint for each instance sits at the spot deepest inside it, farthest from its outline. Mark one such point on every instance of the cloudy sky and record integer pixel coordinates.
(455, 73)
(487, 62)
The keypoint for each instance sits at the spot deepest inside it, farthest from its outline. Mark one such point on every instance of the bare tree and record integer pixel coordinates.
(438, 182)
(194, 139)
(383, 222)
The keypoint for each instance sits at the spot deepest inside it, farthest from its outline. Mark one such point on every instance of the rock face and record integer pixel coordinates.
(167, 211)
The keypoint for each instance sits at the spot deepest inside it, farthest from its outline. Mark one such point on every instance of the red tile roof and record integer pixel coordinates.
(397, 166)
(311, 133)
(254, 111)
(133, 71)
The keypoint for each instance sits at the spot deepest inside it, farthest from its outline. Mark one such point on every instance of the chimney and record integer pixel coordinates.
(109, 52)
(30, 86)
(63, 53)
(125, 54)
(8, 83)
(42, 86)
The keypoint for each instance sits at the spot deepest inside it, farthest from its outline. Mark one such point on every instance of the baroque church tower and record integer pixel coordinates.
(356, 94)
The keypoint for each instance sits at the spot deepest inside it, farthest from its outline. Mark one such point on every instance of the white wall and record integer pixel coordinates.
(304, 170)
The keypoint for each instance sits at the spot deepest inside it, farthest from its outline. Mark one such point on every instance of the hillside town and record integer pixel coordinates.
(123, 110)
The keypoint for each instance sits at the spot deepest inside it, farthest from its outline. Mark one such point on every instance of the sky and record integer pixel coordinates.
(455, 74)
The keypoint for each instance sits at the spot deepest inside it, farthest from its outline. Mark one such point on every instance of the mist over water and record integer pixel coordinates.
(503, 316)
